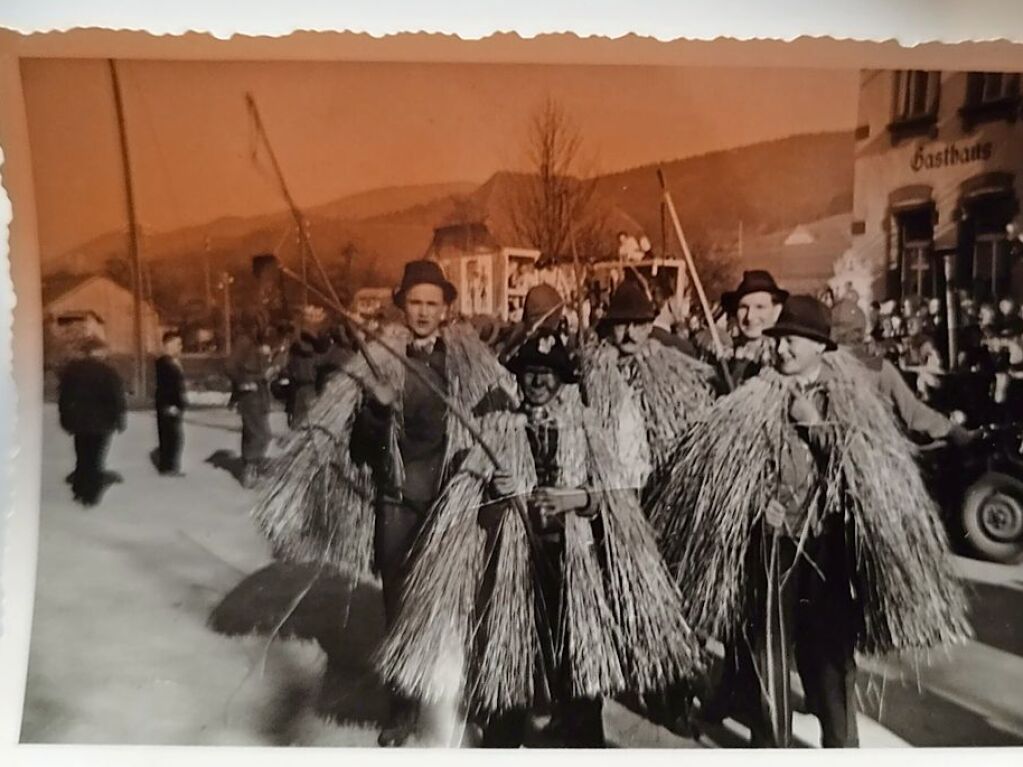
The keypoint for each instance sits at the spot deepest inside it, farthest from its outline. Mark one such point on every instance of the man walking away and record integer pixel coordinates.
(170, 405)
(92, 405)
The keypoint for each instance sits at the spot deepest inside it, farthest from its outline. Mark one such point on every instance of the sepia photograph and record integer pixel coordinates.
(527, 405)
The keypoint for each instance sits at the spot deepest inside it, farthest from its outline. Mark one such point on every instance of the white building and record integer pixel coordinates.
(938, 177)
(97, 306)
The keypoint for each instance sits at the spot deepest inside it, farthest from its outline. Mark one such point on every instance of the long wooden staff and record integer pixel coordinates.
(576, 268)
(691, 266)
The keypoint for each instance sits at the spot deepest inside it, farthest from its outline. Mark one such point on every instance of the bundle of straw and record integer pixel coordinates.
(725, 475)
(621, 622)
(589, 639)
(656, 645)
(448, 561)
(440, 604)
(508, 646)
(671, 389)
(318, 503)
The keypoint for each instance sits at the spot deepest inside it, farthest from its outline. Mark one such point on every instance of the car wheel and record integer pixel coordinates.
(993, 517)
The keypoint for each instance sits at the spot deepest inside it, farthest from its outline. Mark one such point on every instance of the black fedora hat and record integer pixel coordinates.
(424, 272)
(544, 350)
(807, 317)
(753, 281)
(630, 303)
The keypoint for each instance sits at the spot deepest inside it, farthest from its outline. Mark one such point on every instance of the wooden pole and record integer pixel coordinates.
(951, 309)
(226, 281)
(578, 287)
(207, 276)
(133, 237)
(292, 206)
(691, 265)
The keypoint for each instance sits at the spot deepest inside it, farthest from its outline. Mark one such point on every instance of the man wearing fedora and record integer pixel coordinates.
(404, 431)
(646, 391)
(784, 566)
(755, 306)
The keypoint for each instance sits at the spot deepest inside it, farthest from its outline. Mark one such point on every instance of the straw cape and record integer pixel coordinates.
(472, 596)
(647, 401)
(318, 504)
(903, 580)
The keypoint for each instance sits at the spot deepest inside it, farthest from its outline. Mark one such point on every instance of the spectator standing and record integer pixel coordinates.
(92, 406)
(170, 406)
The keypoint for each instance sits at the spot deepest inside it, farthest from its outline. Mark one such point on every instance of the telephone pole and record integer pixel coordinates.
(133, 237)
(225, 285)
(207, 276)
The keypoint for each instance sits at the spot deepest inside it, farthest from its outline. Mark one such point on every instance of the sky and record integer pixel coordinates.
(341, 128)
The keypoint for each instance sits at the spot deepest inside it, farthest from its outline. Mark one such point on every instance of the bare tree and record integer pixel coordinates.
(558, 199)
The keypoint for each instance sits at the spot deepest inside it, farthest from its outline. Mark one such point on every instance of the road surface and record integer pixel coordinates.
(121, 651)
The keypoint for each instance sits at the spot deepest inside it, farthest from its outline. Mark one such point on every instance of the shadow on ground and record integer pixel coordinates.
(228, 461)
(338, 612)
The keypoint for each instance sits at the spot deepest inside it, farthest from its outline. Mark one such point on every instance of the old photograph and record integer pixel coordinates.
(508, 405)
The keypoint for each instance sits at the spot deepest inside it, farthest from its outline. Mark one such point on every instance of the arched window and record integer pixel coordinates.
(987, 204)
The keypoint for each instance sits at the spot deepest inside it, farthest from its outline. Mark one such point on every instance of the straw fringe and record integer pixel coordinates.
(440, 604)
(448, 558)
(318, 504)
(588, 637)
(671, 390)
(723, 478)
(509, 646)
(656, 644)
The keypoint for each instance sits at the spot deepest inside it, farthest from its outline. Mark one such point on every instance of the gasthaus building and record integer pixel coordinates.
(938, 183)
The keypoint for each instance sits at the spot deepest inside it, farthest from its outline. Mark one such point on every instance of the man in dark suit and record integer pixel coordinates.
(421, 438)
(170, 405)
(92, 405)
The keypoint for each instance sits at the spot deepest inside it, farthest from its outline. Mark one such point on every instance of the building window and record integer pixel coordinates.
(990, 96)
(912, 271)
(915, 107)
(984, 245)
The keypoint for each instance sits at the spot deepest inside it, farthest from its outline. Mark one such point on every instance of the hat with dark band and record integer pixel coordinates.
(753, 281)
(630, 303)
(424, 272)
(807, 317)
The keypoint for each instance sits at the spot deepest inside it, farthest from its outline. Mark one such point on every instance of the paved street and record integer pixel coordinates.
(121, 651)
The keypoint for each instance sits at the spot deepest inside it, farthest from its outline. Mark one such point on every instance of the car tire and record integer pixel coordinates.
(992, 517)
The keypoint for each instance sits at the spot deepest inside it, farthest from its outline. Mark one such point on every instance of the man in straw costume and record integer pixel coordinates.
(643, 392)
(542, 580)
(797, 506)
(355, 486)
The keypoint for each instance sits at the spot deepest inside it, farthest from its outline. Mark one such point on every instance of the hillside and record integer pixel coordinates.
(769, 187)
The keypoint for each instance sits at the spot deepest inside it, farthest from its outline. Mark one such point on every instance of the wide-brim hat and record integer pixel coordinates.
(753, 281)
(544, 350)
(424, 272)
(543, 302)
(807, 317)
(630, 303)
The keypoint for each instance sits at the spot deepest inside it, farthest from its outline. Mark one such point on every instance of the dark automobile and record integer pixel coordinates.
(980, 487)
